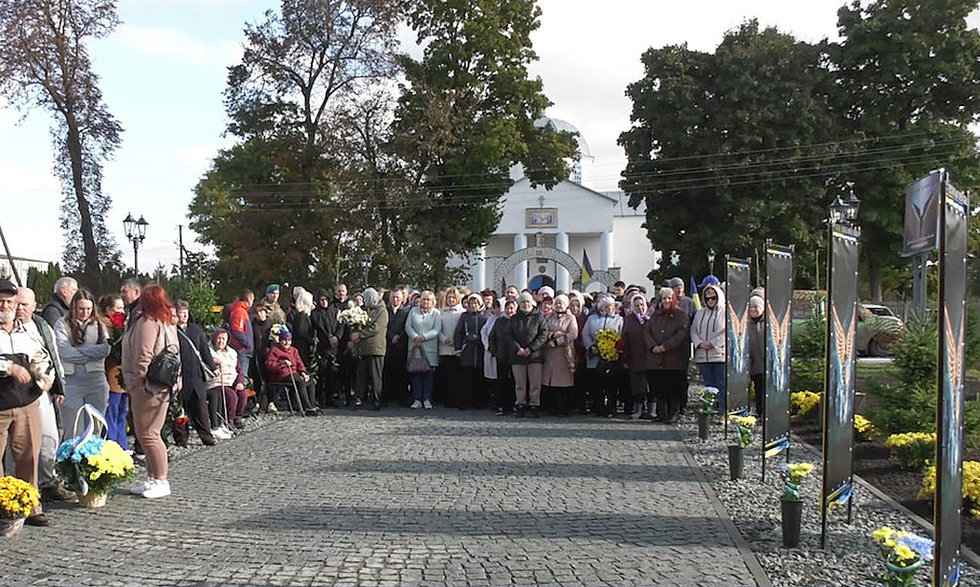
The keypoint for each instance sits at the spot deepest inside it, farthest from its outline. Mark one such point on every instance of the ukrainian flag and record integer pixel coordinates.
(586, 267)
(694, 295)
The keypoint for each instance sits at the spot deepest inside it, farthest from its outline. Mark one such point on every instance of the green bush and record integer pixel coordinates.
(914, 353)
(807, 374)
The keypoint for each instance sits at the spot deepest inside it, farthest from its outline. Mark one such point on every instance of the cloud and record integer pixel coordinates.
(171, 43)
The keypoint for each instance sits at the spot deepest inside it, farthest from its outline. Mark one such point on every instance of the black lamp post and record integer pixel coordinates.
(711, 261)
(135, 232)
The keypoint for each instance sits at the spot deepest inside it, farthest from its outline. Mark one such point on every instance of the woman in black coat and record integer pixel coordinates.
(195, 359)
(523, 343)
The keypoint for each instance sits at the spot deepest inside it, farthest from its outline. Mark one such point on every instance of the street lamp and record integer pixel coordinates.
(135, 232)
(711, 261)
(845, 210)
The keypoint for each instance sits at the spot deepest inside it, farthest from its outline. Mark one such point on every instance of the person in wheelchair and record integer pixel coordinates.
(285, 367)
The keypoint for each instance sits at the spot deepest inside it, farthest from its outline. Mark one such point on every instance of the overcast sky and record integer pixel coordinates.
(163, 71)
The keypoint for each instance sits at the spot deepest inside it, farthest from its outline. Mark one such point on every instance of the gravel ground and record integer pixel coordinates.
(851, 557)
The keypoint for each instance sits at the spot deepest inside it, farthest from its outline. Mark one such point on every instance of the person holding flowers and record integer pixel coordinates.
(83, 346)
(667, 339)
(151, 329)
(602, 329)
(371, 347)
(114, 319)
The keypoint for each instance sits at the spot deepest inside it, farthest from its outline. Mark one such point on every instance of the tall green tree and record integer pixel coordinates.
(271, 205)
(728, 149)
(909, 84)
(465, 116)
(44, 63)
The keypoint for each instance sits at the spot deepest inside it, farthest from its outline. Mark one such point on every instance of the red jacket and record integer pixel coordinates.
(275, 363)
(240, 325)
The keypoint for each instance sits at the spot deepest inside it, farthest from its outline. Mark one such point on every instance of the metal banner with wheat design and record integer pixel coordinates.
(838, 405)
(779, 316)
(949, 421)
(737, 290)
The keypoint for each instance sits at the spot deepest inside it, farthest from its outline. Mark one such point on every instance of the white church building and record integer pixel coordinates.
(545, 236)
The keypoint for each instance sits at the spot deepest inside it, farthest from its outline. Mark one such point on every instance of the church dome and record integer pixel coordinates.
(559, 125)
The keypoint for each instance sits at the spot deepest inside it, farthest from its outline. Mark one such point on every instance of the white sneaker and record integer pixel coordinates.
(272, 409)
(227, 431)
(427, 404)
(141, 487)
(220, 433)
(416, 405)
(159, 488)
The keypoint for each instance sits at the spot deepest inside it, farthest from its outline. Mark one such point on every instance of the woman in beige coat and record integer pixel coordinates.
(151, 328)
(558, 374)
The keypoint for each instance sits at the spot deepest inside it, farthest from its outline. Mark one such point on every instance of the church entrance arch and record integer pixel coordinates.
(503, 271)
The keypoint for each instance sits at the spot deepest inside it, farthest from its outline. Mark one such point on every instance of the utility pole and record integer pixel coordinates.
(180, 238)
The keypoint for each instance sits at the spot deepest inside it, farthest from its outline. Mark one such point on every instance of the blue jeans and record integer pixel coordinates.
(115, 417)
(713, 375)
(422, 384)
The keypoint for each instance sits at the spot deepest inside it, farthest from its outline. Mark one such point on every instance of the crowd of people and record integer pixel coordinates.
(620, 353)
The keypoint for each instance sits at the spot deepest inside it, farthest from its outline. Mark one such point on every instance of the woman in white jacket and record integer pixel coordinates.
(82, 343)
(708, 338)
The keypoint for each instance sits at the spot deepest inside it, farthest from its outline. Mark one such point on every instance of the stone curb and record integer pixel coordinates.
(755, 568)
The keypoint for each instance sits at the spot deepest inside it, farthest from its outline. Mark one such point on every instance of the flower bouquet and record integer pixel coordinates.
(17, 499)
(706, 407)
(117, 327)
(790, 503)
(91, 467)
(608, 345)
(793, 476)
(743, 437)
(904, 554)
(355, 318)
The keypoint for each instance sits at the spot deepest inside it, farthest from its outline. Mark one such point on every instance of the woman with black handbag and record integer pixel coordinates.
(151, 333)
(196, 368)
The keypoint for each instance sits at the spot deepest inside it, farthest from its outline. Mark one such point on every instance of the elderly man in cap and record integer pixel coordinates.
(26, 371)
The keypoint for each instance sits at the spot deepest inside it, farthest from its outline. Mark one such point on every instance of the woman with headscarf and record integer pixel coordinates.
(285, 367)
(558, 374)
(756, 342)
(469, 349)
(150, 331)
(602, 377)
(668, 342)
(576, 305)
(708, 338)
(523, 342)
(83, 346)
(422, 327)
(372, 345)
(637, 355)
(447, 373)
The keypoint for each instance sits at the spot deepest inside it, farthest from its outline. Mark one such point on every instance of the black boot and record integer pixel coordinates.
(519, 411)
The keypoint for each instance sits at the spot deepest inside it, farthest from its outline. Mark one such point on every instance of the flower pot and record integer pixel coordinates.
(10, 527)
(735, 461)
(899, 576)
(92, 500)
(703, 425)
(792, 510)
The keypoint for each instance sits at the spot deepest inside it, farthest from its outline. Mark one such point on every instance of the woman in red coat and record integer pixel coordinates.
(284, 366)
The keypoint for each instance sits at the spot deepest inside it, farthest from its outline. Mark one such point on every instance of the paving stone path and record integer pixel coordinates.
(400, 497)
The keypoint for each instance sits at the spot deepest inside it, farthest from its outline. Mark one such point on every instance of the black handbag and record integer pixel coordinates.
(164, 369)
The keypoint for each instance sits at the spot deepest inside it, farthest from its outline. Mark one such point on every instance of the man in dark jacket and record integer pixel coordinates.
(341, 381)
(523, 344)
(262, 323)
(395, 375)
(196, 365)
(57, 307)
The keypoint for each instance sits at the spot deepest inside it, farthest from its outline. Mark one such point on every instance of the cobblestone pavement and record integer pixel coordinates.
(400, 497)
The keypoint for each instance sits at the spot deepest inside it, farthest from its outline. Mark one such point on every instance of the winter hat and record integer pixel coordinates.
(285, 335)
(562, 298)
(546, 291)
(272, 287)
(757, 302)
(525, 297)
(708, 280)
(477, 297)
(605, 301)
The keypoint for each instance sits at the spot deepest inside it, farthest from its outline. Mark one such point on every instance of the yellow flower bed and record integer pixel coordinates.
(863, 428)
(912, 449)
(971, 486)
(802, 402)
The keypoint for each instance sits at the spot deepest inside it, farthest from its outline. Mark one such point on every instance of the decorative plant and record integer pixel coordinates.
(706, 400)
(863, 428)
(970, 489)
(793, 476)
(802, 402)
(743, 429)
(912, 449)
(17, 498)
(904, 554)
(93, 465)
